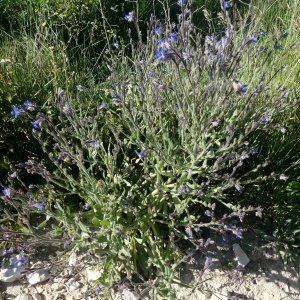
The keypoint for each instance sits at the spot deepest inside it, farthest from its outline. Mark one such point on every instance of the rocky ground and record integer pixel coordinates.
(264, 278)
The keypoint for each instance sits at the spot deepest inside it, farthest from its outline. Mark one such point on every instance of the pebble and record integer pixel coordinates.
(36, 297)
(241, 256)
(24, 297)
(74, 286)
(11, 275)
(128, 295)
(38, 276)
(93, 274)
(74, 260)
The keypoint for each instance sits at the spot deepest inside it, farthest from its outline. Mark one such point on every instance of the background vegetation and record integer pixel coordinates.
(59, 44)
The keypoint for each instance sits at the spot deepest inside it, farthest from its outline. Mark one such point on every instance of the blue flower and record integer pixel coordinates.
(16, 112)
(6, 192)
(142, 154)
(186, 55)
(94, 143)
(62, 155)
(99, 289)
(39, 205)
(161, 42)
(238, 187)
(126, 206)
(184, 189)
(9, 251)
(254, 38)
(35, 125)
(254, 150)
(263, 33)
(13, 175)
(227, 4)
(208, 262)
(221, 55)
(103, 106)
(225, 238)
(172, 37)
(157, 30)
(129, 17)
(238, 233)
(285, 34)
(176, 105)
(5, 236)
(189, 232)
(28, 105)
(20, 263)
(181, 2)
(277, 46)
(207, 213)
(115, 44)
(161, 54)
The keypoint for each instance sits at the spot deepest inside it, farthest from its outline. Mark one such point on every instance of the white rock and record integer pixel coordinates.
(74, 260)
(241, 256)
(38, 276)
(74, 286)
(36, 297)
(11, 275)
(93, 274)
(128, 295)
(58, 286)
(24, 297)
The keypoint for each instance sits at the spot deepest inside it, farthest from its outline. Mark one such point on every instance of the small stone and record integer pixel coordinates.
(24, 297)
(129, 295)
(93, 274)
(11, 275)
(241, 256)
(38, 276)
(287, 288)
(58, 286)
(39, 289)
(74, 286)
(36, 297)
(73, 260)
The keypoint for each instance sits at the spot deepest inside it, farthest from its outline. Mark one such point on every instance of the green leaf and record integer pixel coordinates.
(105, 223)
(83, 227)
(43, 224)
(96, 222)
(140, 241)
(102, 239)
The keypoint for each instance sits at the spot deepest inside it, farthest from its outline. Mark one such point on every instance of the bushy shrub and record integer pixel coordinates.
(163, 153)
